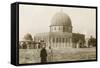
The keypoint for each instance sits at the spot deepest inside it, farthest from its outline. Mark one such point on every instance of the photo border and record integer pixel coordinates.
(46, 4)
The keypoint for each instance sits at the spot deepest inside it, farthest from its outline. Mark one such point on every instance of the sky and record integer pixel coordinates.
(37, 19)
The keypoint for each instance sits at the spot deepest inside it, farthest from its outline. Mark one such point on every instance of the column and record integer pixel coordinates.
(70, 42)
(66, 41)
(55, 42)
(62, 44)
(61, 41)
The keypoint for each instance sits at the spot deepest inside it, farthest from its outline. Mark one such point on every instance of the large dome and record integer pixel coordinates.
(61, 19)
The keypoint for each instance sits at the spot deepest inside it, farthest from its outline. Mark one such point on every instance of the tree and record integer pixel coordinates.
(28, 40)
(92, 42)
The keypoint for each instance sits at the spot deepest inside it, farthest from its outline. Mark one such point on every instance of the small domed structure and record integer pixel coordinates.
(28, 37)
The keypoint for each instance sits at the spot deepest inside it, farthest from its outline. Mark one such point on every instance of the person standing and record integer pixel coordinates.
(50, 54)
(43, 55)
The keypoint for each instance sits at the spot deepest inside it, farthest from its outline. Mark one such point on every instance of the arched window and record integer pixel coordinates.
(54, 28)
(64, 29)
(56, 40)
(59, 39)
(63, 39)
(53, 40)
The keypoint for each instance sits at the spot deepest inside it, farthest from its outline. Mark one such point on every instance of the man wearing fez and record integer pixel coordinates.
(43, 54)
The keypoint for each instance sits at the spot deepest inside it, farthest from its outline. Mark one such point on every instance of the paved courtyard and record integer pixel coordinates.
(69, 54)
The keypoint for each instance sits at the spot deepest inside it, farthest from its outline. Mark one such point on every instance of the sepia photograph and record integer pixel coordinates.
(56, 34)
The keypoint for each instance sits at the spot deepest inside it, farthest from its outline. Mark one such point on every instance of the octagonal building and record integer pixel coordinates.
(60, 34)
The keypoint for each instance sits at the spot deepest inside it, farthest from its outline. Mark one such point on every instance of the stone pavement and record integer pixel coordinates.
(69, 54)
